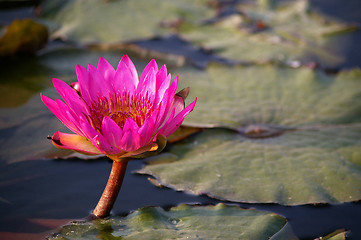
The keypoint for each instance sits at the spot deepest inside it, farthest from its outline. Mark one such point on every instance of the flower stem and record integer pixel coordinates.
(111, 190)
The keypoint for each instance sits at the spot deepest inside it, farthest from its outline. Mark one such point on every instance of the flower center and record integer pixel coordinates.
(119, 107)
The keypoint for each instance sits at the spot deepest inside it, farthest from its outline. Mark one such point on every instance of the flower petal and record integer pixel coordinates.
(162, 84)
(106, 70)
(98, 140)
(101, 144)
(70, 96)
(74, 142)
(97, 85)
(125, 59)
(148, 129)
(148, 150)
(179, 100)
(72, 118)
(170, 128)
(148, 85)
(123, 79)
(166, 103)
(151, 66)
(111, 131)
(58, 108)
(131, 138)
(83, 79)
(126, 76)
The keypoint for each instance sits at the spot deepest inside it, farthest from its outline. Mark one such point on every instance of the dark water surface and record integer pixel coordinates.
(69, 189)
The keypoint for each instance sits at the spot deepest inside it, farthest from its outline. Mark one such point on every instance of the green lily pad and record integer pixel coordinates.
(261, 32)
(94, 21)
(337, 235)
(299, 167)
(182, 222)
(236, 97)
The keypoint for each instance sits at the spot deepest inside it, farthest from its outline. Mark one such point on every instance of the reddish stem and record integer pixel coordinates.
(111, 190)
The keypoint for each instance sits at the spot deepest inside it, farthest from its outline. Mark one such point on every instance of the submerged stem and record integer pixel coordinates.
(111, 190)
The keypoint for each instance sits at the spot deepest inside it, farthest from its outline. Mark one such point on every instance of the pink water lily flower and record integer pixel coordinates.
(116, 113)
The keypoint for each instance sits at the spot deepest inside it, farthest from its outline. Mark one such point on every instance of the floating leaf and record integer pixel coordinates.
(181, 133)
(94, 21)
(337, 235)
(236, 97)
(186, 222)
(23, 36)
(259, 32)
(299, 167)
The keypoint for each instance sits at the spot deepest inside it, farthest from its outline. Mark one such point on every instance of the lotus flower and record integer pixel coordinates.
(113, 112)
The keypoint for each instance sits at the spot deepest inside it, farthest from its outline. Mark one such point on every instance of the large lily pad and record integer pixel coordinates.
(299, 167)
(262, 31)
(238, 96)
(182, 222)
(94, 21)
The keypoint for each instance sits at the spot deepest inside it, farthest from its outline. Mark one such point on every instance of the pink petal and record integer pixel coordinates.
(125, 59)
(169, 119)
(162, 84)
(83, 79)
(106, 70)
(74, 142)
(151, 66)
(148, 85)
(178, 104)
(71, 117)
(148, 129)
(96, 85)
(123, 79)
(102, 145)
(99, 141)
(173, 125)
(111, 131)
(87, 129)
(71, 97)
(166, 102)
(131, 138)
(60, 112)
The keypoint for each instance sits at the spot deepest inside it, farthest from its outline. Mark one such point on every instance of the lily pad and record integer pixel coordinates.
(182, 222)
(337, 235)
(236, 97)
(299, 167)
(260, 31)
(94, 21)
